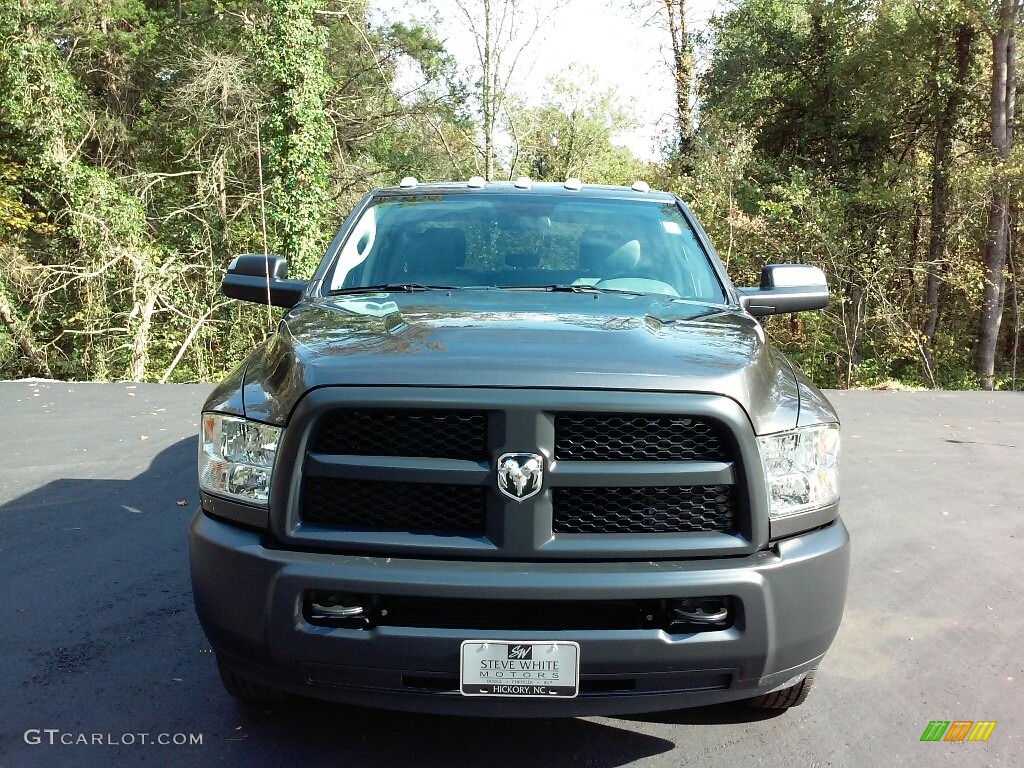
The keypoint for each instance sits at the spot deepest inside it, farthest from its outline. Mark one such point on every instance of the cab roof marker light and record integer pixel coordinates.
(573, 184)
(523, 182)
(476, 182)
(409, 182)
(641, 186)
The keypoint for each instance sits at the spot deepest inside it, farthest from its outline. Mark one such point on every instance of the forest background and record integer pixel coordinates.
(873, 138)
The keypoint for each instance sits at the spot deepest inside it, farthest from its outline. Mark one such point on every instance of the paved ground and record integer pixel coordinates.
(98, 634)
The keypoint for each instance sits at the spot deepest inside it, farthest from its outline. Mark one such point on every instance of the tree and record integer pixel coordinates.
(994, 256)
(129, 169)
(570, 134)
(864, 121)
(426, 130)
(288, 44)
(670, 15)
(868, 136)
(954, 81)
(682, 71)
(502, 31)
(15, 220)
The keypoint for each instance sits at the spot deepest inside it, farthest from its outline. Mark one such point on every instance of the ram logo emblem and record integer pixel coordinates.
(520, 475)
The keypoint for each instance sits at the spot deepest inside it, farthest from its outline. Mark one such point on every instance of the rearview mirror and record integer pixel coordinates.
(252, 276)
(786, 288)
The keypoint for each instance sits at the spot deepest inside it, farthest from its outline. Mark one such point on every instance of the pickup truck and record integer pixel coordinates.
(520, 449)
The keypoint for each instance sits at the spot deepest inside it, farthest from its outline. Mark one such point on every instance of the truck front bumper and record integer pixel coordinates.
(249, 598)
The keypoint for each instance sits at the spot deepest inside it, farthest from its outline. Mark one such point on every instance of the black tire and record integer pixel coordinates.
(245, 689)
(793, 696)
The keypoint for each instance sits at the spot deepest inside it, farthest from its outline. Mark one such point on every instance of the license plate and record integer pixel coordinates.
(530, 669)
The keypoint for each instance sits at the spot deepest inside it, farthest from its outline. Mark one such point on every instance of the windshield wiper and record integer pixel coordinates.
(391, 288)
(561, 288)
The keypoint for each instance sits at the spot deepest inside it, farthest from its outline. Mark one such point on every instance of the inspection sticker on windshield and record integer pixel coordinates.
(541, 669)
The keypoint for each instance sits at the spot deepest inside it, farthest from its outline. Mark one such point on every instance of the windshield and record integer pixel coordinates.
(515, 241)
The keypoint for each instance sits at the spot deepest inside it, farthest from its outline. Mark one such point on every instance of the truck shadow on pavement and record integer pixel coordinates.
(306, 728)
(126, 652)
(301, 728)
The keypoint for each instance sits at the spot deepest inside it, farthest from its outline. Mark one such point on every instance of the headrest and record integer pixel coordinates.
(605, 254)
(625, 257)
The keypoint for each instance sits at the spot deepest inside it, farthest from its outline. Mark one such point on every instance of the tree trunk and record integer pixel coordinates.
(1014, 336)
(1004, 83)
(940, 186)
(682, 75)
(140, 341)
(488, 96)
(144, 309)
(916, 226)
(18, 330)
(96, 310)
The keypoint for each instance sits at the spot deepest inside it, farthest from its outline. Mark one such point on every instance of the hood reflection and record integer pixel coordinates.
(528, 339)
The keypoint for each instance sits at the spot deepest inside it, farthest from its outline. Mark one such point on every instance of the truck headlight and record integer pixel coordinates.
(236, 457)
(801, 469)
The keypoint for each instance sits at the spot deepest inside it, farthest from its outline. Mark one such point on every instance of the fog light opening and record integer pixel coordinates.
(699, 614)
(337, 609)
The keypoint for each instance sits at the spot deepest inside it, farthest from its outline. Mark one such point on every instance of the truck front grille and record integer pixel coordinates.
(644, 510)
(638, 437)
(442, 434)
(412, 472)
(387, 506)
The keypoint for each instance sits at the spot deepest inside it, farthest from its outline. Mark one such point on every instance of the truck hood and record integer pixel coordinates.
(512, 338)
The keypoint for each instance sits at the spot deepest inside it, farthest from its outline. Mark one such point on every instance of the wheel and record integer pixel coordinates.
(245, 689)
(793, 696)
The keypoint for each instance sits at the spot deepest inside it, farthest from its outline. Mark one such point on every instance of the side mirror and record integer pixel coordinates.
(786, 288)
(248, 276)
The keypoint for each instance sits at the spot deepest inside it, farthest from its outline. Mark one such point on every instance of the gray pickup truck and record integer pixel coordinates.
(520, 449)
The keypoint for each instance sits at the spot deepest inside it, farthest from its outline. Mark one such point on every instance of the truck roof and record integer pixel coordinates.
(478, 186)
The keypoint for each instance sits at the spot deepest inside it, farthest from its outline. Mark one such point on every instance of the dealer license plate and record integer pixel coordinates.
(540, 669)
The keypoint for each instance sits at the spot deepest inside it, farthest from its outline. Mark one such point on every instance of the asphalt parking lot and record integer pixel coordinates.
(97, 486)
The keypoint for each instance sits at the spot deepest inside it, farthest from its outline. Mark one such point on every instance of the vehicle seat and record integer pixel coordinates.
(604, 257)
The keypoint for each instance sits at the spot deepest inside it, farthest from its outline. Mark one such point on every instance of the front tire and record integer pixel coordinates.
(245, 689)
(793, 696)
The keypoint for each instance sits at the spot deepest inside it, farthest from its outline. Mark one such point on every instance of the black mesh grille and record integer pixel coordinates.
(394, 506)
(638, 437)
(523, 616)
(428, 434)
(644, 510)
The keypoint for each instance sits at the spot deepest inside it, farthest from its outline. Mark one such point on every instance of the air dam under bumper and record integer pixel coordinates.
(249, 600)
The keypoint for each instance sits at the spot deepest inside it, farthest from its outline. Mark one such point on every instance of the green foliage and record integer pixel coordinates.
(288, 44)
(819, 123)
(571, 134)
(131, 133)
(129, 173)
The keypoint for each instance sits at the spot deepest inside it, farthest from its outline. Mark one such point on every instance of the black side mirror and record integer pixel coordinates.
(249, 275)
(786, 288)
